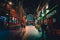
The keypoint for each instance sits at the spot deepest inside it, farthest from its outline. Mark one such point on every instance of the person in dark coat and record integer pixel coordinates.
(44, 26)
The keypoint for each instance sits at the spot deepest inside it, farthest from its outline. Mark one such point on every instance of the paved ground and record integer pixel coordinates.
(32, 33)
(4, 35)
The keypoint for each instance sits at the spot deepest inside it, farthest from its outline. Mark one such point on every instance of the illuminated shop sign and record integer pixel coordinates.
(52, 13)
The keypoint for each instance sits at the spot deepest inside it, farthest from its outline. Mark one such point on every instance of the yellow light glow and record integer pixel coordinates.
(10, 3)
(47, 6)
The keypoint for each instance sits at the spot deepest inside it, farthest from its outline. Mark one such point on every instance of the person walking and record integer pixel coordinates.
(44, 26)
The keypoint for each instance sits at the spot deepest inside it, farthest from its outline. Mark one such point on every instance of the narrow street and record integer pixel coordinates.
(29, 19)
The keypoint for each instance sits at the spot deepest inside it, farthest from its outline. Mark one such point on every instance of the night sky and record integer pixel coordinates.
(31, 5)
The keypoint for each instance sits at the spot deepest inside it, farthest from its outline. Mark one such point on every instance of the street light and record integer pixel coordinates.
(10, 3)
(47, 5)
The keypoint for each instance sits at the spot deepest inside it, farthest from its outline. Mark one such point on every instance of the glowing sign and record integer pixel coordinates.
(52, 13)
(3, 17)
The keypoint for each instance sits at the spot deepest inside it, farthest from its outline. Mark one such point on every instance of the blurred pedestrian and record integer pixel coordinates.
(44, 26)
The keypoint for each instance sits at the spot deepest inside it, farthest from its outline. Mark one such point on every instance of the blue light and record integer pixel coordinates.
(3, 18)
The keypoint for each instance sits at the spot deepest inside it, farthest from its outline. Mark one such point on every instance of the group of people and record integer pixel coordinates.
(45, 27)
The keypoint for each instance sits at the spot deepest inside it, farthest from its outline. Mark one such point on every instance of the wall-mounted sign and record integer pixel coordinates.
(52, 13)
(47, 11)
